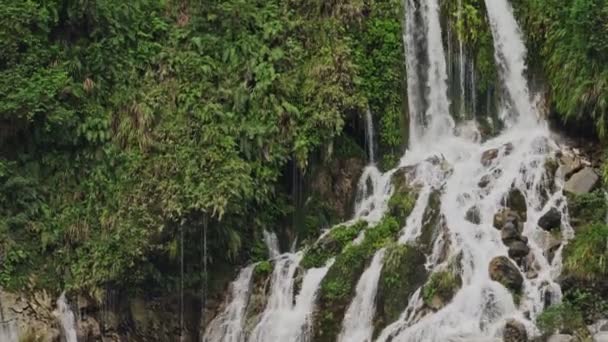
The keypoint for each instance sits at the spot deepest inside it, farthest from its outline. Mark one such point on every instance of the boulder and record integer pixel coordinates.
(554, 245)
(517, 201)
(514, 332)
(518, 249)
(473, 215)
(503, 270)
(509, 232)
(488, 156)
(582, 182)
(484, 181)
(552, 219)
(570, 164)
(505, 215)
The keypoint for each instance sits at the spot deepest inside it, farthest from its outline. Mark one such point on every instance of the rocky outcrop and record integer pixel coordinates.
(514, 331)
(502, 270)
(582, 182)
(551, 220)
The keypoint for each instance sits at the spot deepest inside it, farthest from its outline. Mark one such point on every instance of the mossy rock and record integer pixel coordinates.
(336, 292)
(259, 294)
(431, 221)
(338, 287)
(401, 204)
(402, 274)
(441, 288)
(331, 244)
(517, 201)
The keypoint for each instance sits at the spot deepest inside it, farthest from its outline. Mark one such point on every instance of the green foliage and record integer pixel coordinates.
(571, 42)
(587, 208)
(263, 268)
(561, 318)
(586, 256)
(442, 284)
(401, 204)
(331, 245)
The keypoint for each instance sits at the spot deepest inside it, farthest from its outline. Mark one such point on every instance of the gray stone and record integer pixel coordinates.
(515, 331)
(503, 270)
(582, 182)
(518, 249)
(488, 156)
(484, 181)
(570, 164)
(509, 232)
(551, 219)
(473, 215)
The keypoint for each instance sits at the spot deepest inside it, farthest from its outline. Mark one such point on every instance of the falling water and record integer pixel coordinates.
(66, 319)
(438, 112)
(8, 327)
(282, 320)
(510, 53)
(357, 325)
(228, 326)
(369, 135)
(272, 244)
(413, 78)
(461, 61)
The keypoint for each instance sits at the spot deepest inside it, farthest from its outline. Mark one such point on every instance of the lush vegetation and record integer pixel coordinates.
(132, 131)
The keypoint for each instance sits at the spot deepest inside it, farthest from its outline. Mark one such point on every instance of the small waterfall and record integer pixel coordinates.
(228, 326)
(369, 136)
(510, 54)
(282, 320)
(438, 116)
(8, 327)
(358, 321)
(272, 244)
(414, 94)
(461, 63)
(66, 319)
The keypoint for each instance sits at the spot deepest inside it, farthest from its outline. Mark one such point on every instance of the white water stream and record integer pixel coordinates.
(228, 325)
(66, 319)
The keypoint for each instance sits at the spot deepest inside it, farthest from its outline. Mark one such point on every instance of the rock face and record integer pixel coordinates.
(582, 182)
(505, 272)
(515, 332)
(551, 219)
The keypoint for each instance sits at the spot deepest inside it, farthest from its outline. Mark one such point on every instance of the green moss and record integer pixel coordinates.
(331, 245)
(430, 221)
(338, 286)
(402, 274)
(401, 204)
(441, 285)
(263, 268)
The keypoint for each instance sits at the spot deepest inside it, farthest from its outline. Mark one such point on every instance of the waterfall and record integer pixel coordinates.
(414, 94)
(228, 326)
(8, 327)
(461, 62)
(510, 54)
(272, 244)
(282, 320)
(66, 319)
(369, 136)
(358, 320)
(438, 116)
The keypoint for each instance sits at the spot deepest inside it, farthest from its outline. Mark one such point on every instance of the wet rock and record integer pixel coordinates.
(552, 219)
(518, 249)
(560, 338)
(517, 202)
(509, 232)
(582, 182)
(515, 332)
(570, 164)
(508, 147)
(488, 156)
(553, 247)
(473, 215)
(484, 181)
(505, 215)
(503, 270)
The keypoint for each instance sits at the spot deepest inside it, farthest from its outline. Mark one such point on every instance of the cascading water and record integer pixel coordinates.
(228, 326)
(8, 327)
(66, 319)
(448, 161)
(357, 325)
(282, 320)
(461, 62)
(272, 244)
(369, 136)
